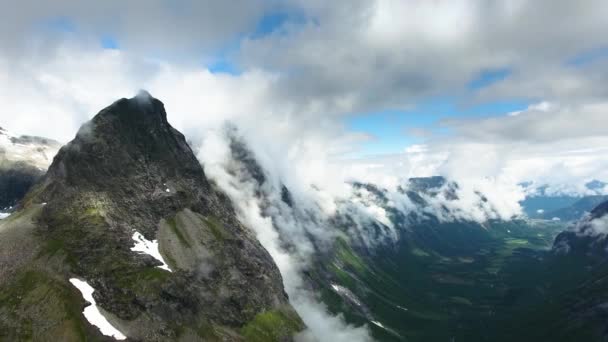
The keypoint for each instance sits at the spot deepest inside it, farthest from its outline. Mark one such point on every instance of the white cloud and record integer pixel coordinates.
(389, 53)
(598, 226)
(273, 221)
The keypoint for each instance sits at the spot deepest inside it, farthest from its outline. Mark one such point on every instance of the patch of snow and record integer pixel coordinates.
(92, 313)
(378, 324)
(4, 215)
(556, 219)
(540, 211)
(509, 231)
(148, 247)
(343, 291)
(168, 190)
(402, 308)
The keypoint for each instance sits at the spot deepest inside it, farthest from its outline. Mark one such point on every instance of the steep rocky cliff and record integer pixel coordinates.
(126, 209)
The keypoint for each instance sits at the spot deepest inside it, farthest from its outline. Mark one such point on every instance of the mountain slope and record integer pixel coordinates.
(129, 179)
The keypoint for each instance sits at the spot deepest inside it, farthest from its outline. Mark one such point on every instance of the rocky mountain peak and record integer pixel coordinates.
(139, 112)
(130, 148)
(128, 183)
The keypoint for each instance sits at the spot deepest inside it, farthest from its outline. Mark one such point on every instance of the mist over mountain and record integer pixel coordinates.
(567, 204)
(304, 170)
(216, 243)
(376, 250)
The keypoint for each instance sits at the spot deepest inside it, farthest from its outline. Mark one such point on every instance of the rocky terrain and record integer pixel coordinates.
(126, 209)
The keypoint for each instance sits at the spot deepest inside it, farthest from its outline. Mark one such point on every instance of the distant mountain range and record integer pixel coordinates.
(542, 204)
(23, 161)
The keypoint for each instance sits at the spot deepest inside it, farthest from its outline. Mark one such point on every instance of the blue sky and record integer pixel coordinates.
(588, 57)
(393, 130)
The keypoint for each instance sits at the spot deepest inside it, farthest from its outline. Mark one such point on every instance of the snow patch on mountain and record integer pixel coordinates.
(142, 245)
(92, 313)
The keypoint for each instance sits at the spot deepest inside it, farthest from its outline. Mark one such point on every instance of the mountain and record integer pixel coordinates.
(588, 236)
(444, 278)
(418, 273)
(576, 307)
(537, 206)
(422, 272)
(542, 203)
(463, 281)
(23, 161)
(128, 237)
(126, 212)
(576, 210)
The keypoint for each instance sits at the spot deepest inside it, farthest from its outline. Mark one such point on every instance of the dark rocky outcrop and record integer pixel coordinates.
(128, 171)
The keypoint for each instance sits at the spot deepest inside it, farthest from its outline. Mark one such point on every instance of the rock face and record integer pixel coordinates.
(128, 172)
(23, 161)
